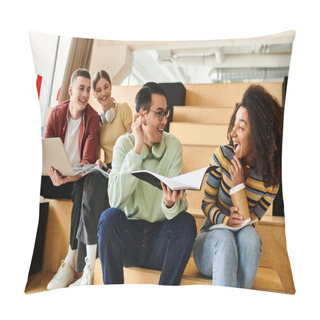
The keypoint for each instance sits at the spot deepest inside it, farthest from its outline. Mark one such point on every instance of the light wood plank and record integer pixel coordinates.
(196, 156)
(199, 134)
(208, 115)
(225, 94)
(57, 234)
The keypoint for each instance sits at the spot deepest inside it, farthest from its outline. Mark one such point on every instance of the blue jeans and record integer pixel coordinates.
(164, 245)
(230, 258)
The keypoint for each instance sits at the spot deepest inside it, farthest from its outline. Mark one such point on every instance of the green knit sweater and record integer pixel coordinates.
(139, 199)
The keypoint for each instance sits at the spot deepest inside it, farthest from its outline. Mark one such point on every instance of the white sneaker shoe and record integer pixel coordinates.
(87, 276)
(63, 277)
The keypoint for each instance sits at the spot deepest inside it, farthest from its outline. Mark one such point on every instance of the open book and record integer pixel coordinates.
(96, 168)
(188, 181)
(223, 226)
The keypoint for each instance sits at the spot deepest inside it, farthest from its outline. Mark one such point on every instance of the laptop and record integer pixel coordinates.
(54, 155)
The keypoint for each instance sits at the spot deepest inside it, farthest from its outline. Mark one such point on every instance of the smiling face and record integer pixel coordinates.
(153, 130)
(102, 93)
(79, 92)
(241, 137)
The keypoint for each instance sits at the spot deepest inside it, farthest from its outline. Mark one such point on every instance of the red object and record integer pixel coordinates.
(58, 94)
(38, 84)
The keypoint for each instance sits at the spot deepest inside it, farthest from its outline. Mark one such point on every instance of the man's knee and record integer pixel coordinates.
(187, 224)
(109, 221)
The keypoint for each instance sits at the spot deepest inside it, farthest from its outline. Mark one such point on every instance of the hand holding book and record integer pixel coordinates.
(170, 196)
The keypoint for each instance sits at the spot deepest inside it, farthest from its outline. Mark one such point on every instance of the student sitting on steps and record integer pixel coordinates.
(146, 227)
(253, 158)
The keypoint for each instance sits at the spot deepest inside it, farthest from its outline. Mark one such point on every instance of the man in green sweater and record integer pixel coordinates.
(145, 226)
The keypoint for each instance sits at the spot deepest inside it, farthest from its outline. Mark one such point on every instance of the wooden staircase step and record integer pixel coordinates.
(199, 134)
(196, 156)
(195, 197)
(38, 282)
(208, 115)
(225, 94)
(274, 255)
(211, 94)
(267, 279)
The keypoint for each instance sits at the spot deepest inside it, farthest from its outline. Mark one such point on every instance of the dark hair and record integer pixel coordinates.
(80, 73)
(266, 122)
(97, 76)
(143, 97)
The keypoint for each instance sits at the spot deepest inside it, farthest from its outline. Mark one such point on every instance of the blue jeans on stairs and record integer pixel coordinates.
(164, 245)
(230, 258)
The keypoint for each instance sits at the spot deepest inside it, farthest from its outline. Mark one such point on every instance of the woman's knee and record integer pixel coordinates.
(203, 255)
(94, 177)
(96, 184)
(225, 240)
(249, 238)
(216, 240)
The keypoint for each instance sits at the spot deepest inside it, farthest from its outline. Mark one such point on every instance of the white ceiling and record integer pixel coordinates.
(253, 59)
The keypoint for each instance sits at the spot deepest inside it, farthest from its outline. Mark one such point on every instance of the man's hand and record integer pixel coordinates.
(170, 196)
(235, 219)
(138, 121)
(58, 180)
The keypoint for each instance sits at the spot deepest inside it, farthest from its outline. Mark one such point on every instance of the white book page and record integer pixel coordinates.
(223, 226)
(189, 181)
(192, 179)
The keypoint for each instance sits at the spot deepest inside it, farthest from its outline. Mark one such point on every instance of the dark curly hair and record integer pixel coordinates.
(266, 121)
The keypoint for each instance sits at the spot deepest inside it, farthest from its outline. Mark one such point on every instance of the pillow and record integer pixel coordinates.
(191, 123)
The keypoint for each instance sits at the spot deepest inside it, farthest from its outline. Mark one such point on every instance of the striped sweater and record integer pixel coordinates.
(217, 201)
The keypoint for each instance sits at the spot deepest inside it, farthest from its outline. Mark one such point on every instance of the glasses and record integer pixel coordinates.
(161, 114)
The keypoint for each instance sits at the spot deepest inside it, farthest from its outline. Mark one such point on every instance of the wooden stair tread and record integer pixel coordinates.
(208, 115)
(206, 107)
(38, 282)
(210, 94)
(198, 133)
(196, 156)
(267, 279)
(224, 94)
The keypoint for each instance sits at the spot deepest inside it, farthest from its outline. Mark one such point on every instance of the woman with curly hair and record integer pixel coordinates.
(253, 157)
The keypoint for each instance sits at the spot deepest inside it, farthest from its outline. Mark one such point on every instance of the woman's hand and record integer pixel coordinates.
(170, 197)
(235, 219)
(58, 180)
(101, 165)
(137, 130)
(236, 171)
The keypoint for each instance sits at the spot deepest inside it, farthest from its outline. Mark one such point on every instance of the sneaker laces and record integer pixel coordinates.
(87, 273)
(59, 274)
